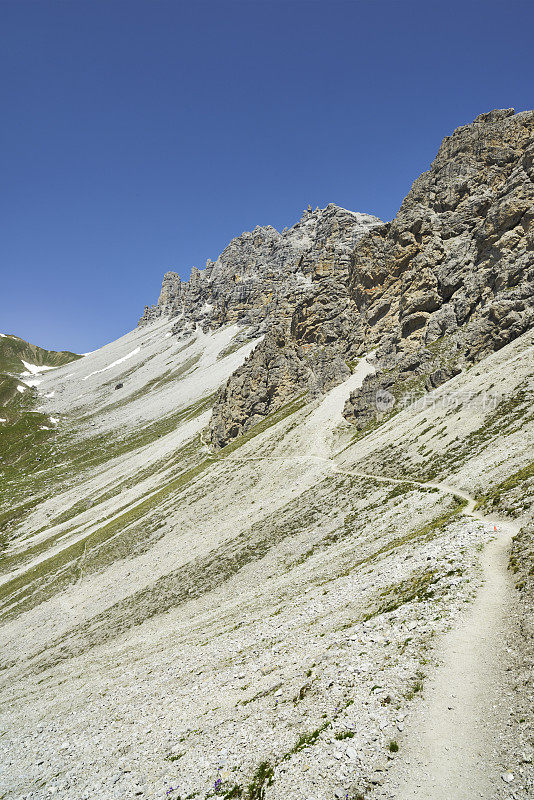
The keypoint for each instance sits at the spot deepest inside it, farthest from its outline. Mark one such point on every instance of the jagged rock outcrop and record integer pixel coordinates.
(312, 333)
(451, 279)
(263, 274)
(448, 281)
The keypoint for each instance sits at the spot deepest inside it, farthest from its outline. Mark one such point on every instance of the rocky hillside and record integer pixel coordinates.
(450, 280)
(256, 621)
(258, 547)
(262, 275)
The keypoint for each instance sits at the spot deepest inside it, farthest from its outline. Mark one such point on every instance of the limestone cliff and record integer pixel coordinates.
(451, 279)
(263, 274)
(448, 281)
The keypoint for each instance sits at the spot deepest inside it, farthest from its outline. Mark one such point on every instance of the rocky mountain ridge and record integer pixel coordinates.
(448, 281)
(262, 274)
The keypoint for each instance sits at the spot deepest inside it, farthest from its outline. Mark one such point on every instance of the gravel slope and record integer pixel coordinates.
(267, 618)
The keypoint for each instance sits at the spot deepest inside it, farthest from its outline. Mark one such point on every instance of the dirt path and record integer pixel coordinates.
(448, 753)
(448, 749)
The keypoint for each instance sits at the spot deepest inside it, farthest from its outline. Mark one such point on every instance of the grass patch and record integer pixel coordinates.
(233, 347)
(495, 496)
(417, 588)
(344, 735)
(13, 351)
(306, 739)
(44, 579)
(263, 777)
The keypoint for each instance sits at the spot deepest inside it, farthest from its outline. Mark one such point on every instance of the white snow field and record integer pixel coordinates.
(33, 369)
(266, 620)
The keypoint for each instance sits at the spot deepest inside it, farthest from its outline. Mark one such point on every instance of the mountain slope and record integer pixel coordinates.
(212, 583)
(240, 607)
(18, 356)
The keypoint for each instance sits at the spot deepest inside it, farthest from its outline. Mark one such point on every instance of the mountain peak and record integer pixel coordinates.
(260, 273)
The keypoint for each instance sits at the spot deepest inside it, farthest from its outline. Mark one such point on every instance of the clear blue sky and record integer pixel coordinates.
(142, 135)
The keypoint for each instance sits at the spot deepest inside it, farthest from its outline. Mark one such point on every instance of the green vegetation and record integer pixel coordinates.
(39, 462)
(175, 756)
(57, 571)
(510, 415)
(307, 739)
(522, 559)
(495, 497)
(234, 791)
(416, 588)
(233, 347)
(393, 747)
(262, 778)
(8, 390)
(422, 533)
(272, 419)
(22, 433)
(417, 686)
(13, 351)
(398, 490)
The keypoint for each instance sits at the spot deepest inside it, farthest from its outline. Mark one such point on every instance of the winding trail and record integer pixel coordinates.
(448, 749)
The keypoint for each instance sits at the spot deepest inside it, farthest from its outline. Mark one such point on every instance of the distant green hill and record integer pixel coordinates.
(23, 431)
(8, 388)
(14, 352)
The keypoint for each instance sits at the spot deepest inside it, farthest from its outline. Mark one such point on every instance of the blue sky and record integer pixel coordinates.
(142, 136)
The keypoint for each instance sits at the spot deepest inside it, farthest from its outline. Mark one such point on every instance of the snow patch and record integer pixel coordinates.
(31, 382)
(33, 369)
(114, 364)
(21, 389)
(55, 420)
(2, 418)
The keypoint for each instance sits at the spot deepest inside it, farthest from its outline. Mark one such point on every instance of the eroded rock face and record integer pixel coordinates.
(457, 263)
(263, 274)
(311, 337)
(291, 286)
(448, 281)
